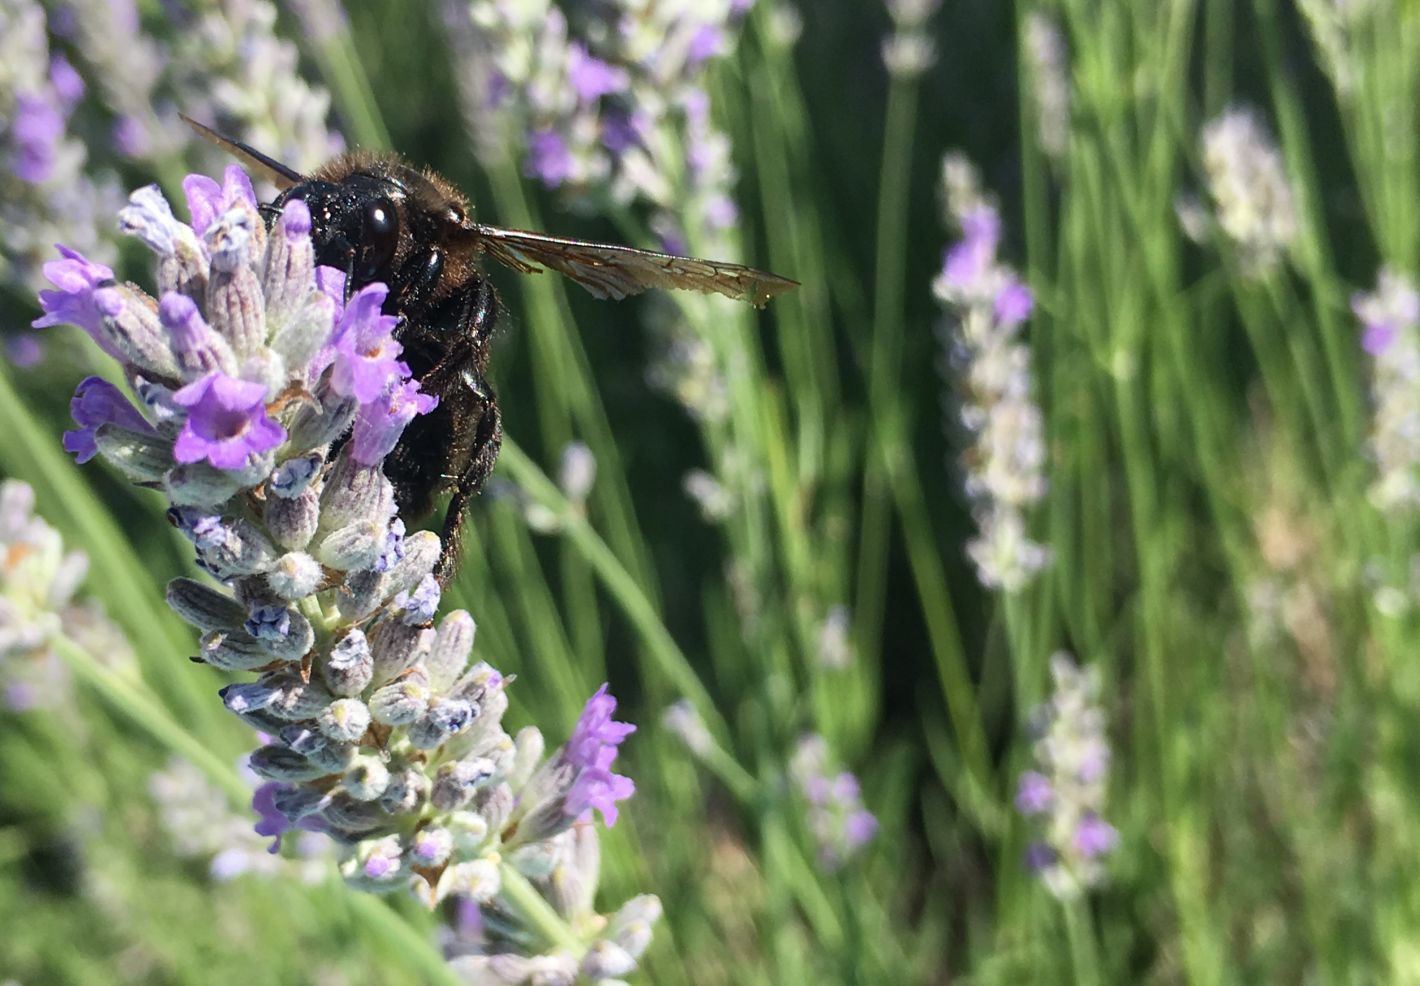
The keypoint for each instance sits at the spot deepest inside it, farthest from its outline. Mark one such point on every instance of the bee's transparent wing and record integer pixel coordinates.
(610, 271)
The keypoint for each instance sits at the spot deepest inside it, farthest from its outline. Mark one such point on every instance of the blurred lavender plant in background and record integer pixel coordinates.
(237, 74)
(1048, 68)
(909, 50)
(38, 583)
(199, 823)
(1390, 317)
(49, 190)
(986, 304)
(833, 805)
(1064, 795)
(1253, 204)
(268, 404)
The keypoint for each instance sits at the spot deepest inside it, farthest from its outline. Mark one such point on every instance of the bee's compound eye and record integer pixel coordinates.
(380, 235)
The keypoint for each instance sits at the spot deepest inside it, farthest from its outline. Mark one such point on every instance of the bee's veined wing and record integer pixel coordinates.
(268, 167)
(610, 271)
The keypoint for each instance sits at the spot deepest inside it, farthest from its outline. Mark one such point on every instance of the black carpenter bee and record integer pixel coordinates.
(378, 218)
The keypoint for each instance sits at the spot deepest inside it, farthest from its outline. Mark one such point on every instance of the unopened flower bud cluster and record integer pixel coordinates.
(267, 402)
(1064, 795)
(990, 366)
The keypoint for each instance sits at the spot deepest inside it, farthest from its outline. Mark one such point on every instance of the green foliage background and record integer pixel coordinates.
(1206, 436)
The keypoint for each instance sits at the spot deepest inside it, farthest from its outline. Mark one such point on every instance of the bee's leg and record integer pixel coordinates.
(477, 318)
(487, 440)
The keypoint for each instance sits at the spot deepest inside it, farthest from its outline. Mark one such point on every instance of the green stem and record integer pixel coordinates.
(151, 717)
(623, 588)
(1079, 928)
(536, 913)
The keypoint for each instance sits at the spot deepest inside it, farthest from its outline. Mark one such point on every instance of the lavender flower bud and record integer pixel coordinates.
(292, 521)
(233, 651)
(441, 721)
(350, 667)
(198, 484)
(204, 608)
(367, 779)
(468, 830)
(359, 595)
(295, 575)
(279, 763)
(452, 645)
(142, 458)
(234, 303)
(431, 846)
(344, 720)
(407, 791)
(397, 646)
(285, 633)
(455, 783)
(289, 267)
(356, 546)
(402, 701)
(292, 478)
(355, 493)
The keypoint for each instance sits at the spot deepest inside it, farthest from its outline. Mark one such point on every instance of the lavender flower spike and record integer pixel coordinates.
(1064, 795)
(833, 806)
(268, 429)
(989, 367)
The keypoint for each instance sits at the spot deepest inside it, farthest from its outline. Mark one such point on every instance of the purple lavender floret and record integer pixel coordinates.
(207, 200)
(366, 352)
(77, 280)
(226, 423)
(591, 750)
(380, 422)
(97, 402)
(549, 158)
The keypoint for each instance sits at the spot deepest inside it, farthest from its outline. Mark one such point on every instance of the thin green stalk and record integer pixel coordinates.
(666, 654)
(1079, 930)
(885, 353)
(136, 704)
(522, 897)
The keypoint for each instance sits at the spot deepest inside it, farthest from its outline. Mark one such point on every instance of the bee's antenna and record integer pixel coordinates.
(279, 174)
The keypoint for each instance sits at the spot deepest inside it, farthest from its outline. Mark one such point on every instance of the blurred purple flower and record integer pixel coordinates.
(24, 350)
(1095, 837)
(1034, 793)
(35, 130)
(591, 77)
(131, 138)
(1014, 303)
(67, 83)
(549, 159)
(226, 422)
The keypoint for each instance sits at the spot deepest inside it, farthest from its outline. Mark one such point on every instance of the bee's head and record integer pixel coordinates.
(356, 224)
